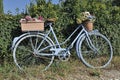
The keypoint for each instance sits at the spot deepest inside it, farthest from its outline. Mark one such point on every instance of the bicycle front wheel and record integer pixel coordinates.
(98, 53)
(27, 55)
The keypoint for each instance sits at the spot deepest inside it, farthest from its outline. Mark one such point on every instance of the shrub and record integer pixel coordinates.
(9, 28)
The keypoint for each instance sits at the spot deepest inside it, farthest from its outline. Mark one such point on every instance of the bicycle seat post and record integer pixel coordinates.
(49, 23)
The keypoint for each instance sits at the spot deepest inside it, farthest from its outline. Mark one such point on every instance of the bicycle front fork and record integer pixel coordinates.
(91, 45)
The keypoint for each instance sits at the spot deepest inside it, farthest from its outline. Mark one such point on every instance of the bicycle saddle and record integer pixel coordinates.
(51, 20)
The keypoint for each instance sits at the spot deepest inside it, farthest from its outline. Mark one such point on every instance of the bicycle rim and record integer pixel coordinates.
(26, 57)
(95, 58)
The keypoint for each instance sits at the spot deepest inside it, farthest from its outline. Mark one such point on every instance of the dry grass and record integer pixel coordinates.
(115, 63)
(71, 70)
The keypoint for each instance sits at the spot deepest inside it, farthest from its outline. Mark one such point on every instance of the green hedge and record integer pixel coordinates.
(9, 28)
(107, 22)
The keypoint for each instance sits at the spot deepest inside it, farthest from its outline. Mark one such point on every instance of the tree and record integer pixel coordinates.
(42, 8)
(1, 6)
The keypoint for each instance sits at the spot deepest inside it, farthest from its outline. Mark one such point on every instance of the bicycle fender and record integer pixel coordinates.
(80, 37)
(16, 39)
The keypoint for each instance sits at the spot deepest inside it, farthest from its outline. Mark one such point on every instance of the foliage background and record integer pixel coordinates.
(66, 12)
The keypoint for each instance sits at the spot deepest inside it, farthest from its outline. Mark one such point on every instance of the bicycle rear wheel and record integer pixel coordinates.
(27, 56)
(99, 56)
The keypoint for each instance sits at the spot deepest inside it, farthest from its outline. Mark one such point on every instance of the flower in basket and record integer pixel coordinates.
(34, 19)
(38, 19)
(41, 18)
(28, 18)
(22, 20)
(85, 16)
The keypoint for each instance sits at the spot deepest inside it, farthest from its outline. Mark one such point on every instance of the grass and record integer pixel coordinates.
(115, 63)
(59, 70)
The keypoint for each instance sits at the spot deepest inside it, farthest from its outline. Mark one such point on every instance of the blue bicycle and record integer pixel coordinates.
(38, 50)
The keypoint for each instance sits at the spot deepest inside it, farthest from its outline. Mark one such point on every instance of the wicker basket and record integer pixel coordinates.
(88, 25)
(32, 26)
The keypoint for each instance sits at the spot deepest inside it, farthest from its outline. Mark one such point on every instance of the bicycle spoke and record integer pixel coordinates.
(41, 44)
(36, 42)
(26, 60)
(43, 49)
(31, 42)
(24, 49)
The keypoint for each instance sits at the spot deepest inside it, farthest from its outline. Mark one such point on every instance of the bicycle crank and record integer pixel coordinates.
(64, 55)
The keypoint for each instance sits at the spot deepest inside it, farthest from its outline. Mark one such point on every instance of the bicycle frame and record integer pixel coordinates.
(73, 42)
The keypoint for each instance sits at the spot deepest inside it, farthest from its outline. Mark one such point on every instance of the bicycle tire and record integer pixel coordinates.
(94, 59)
(24, 53)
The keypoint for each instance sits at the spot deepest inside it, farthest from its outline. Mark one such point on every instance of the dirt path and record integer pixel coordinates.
(98, 75)
(110, 75)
